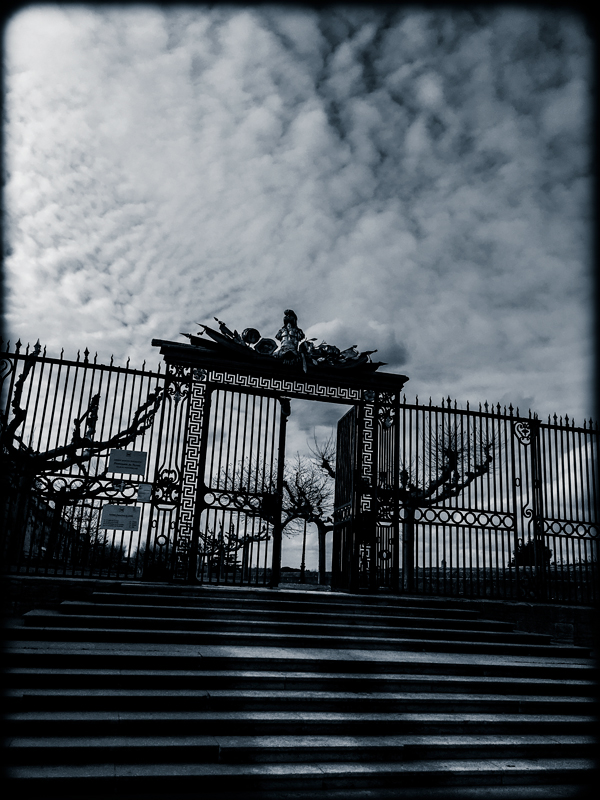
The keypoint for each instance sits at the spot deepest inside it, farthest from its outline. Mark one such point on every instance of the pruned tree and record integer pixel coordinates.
(324, 453)
(308, 497)
(26, 472)
(457, 458)
(220, 551)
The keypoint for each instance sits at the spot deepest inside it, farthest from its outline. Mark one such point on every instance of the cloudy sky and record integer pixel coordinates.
(416, 181)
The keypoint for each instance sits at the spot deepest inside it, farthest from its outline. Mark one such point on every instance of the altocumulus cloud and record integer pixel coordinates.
(416, 181)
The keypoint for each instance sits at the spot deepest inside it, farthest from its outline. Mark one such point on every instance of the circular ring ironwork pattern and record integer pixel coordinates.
(232, 500)
(467, 518)
(572, 529)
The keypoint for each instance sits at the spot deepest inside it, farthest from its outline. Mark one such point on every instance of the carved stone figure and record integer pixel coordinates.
(294, 350)
(290, 337)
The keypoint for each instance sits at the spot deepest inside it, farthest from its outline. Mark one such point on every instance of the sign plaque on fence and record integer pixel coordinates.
(130, 462)
(144, 493)
(120, 518)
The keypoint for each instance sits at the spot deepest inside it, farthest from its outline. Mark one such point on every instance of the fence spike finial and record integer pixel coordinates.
(499, 408)
(510, 409)
(456, 404)
(95, 357)
(86, 354)
(127, 364)
(62, 352)
(518, 415)
(78, 356)
(18, 346)
(27, 349)
(486, 406)
(555, 419)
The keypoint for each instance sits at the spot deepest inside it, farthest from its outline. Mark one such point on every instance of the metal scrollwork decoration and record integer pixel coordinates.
(523, 432)
(72, 489)
(178, 387)
(387, 412)
(166, 488)
(290, 348)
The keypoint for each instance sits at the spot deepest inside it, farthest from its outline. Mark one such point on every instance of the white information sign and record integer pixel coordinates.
(131, 462)
(120, 518)
(144, 492)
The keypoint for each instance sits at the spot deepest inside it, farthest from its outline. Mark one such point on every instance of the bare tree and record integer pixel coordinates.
(220, 551)
(25, 471)
(324, 454)
(308, 497)
(457, 458)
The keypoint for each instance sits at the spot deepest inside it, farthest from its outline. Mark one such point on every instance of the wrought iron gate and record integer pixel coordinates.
(237, 533)
(366, 545)
(479, 503)
(229, 522)
(429, 499)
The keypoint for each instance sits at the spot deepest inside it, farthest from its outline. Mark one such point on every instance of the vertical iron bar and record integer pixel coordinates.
(277, 531)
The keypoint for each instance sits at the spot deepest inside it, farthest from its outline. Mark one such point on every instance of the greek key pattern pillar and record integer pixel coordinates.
(191, 472)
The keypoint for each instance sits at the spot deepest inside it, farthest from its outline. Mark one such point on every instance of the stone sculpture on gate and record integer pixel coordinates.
(290, 348)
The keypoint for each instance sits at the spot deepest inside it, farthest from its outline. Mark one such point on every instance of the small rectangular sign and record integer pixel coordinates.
(144, 492)
(130, 462)
(120, 518)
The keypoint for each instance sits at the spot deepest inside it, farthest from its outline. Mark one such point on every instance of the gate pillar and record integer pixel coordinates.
(284, 413)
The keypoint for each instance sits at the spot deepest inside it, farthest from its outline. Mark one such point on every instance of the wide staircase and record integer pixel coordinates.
(155, 691)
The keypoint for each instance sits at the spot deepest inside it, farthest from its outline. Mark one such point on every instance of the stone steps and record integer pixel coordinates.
(129, 656)
(99, 709)
(353, 702)
(280, 723)
(340, 616)
(167, 779)
(235, 749)
(33, 677)
(49, 627)
(139, 618)
(224, 601)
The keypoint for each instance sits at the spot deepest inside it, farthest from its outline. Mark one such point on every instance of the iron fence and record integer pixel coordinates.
(492, 504)
(475, 502)
(60, 421)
